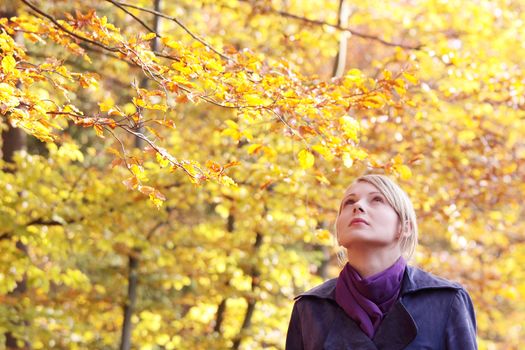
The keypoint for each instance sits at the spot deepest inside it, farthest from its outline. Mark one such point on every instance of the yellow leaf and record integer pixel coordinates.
(232, 124)
(115, 113)
(139, 102)
(7, 97)
(398, 160)
(410, 78)
(228, 181)
(63, 71)
(495, 215)
(181, 67)
(169, 42)
(154, 132)
(399, 87)
(324, 151)
(222, 210)
(72, 108)
(162, 339)
(106, 105)
(234, 134)
(8, 64)
(129, 108)
(353, 76)
(159, 107)
(99, 130)
(255, 100)
(138, 171)
(404, 171)
(156, 201)
(466, 136)
(306, 159)
(400, 91)
(374, 101)
(6, 89)
(350, 127)
(348, 161)
(215, 65)
(322, 179)
(163, 161)
(323, 236)
(148, 36)
(254, 148)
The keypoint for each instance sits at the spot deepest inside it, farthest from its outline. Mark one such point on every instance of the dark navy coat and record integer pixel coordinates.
(431, 313)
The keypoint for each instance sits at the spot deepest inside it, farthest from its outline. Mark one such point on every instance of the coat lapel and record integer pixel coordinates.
(345, 334)
(397, 330)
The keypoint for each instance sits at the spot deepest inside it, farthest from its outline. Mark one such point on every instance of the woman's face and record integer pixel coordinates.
(366, 218)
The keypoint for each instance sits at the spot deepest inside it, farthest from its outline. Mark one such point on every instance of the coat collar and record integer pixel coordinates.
(398, 328)
(414, 280)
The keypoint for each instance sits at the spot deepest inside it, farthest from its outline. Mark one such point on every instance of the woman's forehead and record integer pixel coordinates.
(360, 188)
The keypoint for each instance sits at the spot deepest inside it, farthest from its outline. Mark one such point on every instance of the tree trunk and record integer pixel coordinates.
(255, 275)
(139, 143)
(340, 58)
(125, 343)
(129, 308)
(13, 140)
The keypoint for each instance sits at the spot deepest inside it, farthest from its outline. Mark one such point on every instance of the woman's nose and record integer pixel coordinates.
(357, 207)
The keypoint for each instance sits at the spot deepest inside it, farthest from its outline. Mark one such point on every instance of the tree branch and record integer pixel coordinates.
(339, 27)
(58, 25)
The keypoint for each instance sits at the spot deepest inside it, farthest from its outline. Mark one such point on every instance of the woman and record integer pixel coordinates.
(378, 302)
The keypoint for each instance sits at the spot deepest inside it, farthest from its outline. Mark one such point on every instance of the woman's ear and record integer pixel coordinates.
(404, 232)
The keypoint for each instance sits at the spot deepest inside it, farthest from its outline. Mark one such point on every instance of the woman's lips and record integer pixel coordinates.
(358, 222)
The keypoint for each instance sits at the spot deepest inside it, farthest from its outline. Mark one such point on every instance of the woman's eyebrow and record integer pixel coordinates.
(353, 194)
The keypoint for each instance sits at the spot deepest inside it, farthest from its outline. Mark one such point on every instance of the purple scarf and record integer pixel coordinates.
(367, 300)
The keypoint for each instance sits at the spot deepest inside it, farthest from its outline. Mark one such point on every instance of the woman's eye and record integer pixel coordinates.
(378, 199)
(350, 201)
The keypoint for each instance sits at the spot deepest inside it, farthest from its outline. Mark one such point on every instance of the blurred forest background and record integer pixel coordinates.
(171, 170)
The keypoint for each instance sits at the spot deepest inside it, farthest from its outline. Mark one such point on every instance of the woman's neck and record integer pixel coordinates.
(368, 262)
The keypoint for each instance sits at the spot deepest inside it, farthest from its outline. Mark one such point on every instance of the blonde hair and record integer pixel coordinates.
(402, 205)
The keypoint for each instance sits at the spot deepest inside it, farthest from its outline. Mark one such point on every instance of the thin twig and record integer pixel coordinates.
(174, 19)
(152, 145)
(134, 17)
(124, 155)
(292, 130)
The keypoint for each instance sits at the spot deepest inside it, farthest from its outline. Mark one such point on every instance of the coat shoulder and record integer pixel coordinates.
(325, 290)
(417, 279)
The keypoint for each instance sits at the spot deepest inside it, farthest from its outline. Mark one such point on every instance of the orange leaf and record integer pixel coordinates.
(214, 167)
(147, 190)
(131, 182)
(182, 98)
(166, 122)
(230, 164)
(117, 162)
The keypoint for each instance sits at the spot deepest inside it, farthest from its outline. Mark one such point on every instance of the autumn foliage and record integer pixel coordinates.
(185, 160)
